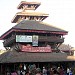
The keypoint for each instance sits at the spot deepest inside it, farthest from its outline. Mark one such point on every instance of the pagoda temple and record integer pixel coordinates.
(32, 41)
(31, 31)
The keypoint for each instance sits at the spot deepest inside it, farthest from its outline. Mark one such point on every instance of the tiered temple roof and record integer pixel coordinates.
(31, 22)
(28, 5)
(34, 26)
(28, 15)
(13, 56)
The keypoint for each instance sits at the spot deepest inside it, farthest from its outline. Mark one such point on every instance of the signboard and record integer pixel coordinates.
(36, 49)
(23, 38)
(35, 40)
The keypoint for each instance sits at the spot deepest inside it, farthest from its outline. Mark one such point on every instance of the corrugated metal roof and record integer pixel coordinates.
(34, 25)
(37, 25)
(14, 56)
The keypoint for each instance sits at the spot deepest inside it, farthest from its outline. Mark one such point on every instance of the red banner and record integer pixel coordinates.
(36, 49)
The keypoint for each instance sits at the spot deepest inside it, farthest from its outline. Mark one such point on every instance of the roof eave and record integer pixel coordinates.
(5, 34)
(15, 19)
(24, 2)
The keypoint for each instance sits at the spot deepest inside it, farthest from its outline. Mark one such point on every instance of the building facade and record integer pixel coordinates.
(32, 41)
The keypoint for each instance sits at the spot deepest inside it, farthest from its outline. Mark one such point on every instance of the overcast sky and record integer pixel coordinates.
(61, 14)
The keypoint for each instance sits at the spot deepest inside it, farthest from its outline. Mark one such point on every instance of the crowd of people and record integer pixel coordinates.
(44, 71)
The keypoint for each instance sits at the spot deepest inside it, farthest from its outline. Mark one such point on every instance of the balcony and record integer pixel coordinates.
(12, 39)
(50, 39)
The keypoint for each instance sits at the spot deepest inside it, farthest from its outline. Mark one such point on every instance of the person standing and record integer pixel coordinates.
(44, 71)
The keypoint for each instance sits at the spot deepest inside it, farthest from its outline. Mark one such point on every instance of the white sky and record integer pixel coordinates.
(61, 14)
